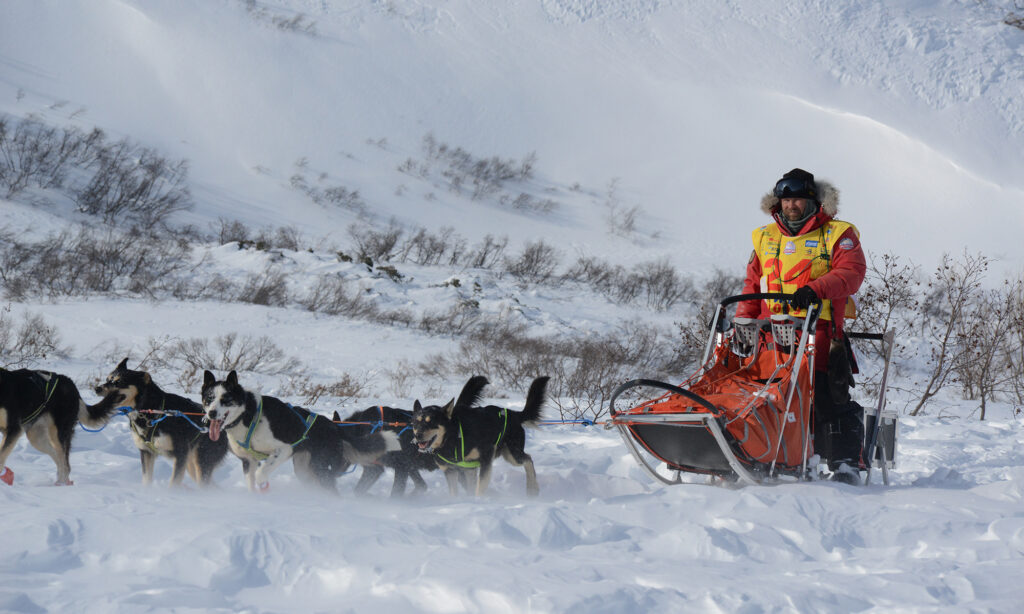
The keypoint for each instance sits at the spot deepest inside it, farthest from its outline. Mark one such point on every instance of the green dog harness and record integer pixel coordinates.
(460, 455)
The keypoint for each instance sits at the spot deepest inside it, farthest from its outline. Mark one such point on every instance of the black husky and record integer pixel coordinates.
(163, 433)
(265, 432)
(406, 462)
(45, 406)
(460, 436)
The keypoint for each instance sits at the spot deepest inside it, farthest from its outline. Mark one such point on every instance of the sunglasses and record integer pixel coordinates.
(795, 188)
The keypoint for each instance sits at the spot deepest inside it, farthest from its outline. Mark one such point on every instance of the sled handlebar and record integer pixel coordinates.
(763, 296)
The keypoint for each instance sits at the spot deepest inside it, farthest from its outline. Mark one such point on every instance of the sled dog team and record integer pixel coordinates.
(460, 438)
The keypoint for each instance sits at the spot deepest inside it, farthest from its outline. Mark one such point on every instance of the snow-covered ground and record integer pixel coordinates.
(689, 111)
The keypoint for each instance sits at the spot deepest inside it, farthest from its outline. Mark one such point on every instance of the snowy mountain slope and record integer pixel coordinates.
(913, 110)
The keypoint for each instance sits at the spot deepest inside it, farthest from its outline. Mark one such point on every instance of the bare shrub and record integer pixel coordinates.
(34, 154)
(337, 196)
(333, 295)
(345, 388)
(269, 288)
(954, 285)
(374, 245)
(92, 261)
(425, 248)
(486, 254)
(661, 285)
(230, 231)
(486, 176)
(584, 368)
(525, 202)
(657, 283)
(27, 344)
(983, 364)
(890, 291)
(228, 352)
(536, 264)
(136, 183)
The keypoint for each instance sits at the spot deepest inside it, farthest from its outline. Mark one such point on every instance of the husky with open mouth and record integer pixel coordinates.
(406, 462)
(460, 436)
(265, 432)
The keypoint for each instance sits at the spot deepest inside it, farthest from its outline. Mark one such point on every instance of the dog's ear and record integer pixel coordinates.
(416, 405)
(146, 379)
(337, 416)
(208, 379)
(123, 364)
(232, 378)
(449, 409)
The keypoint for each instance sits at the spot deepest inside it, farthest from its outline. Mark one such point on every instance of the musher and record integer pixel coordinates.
(807, 252)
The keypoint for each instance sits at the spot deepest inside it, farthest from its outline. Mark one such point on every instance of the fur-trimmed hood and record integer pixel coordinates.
(829, 199)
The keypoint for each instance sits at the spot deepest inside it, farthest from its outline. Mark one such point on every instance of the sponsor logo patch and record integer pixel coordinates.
(846, 243)
(791, 248)
(811, 243)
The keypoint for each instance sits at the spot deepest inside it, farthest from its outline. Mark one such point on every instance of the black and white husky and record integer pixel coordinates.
(265, 432)
(46, 407)
(460, 436)
(158, 430)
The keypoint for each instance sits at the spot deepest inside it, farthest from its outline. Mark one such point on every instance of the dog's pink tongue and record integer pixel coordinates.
(214, 430)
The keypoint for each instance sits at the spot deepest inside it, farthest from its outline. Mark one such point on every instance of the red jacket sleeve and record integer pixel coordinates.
(848, 268)
(751, 285)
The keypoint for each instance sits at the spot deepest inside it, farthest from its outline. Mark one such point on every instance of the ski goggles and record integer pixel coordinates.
(795, 187)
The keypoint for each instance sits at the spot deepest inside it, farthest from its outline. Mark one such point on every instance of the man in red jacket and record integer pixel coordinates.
(807, 252)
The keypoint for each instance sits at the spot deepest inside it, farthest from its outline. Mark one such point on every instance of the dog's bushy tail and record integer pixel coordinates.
(470, 395)
(95, 416)
(534, 401)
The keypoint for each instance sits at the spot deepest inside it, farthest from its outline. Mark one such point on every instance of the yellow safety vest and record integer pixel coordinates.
(788, 263)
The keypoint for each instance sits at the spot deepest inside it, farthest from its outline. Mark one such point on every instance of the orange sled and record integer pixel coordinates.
(747, 413)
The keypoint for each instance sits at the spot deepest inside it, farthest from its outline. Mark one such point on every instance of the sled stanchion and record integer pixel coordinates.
(874, 446)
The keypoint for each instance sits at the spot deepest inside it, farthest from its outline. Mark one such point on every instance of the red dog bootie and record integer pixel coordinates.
(7, 477)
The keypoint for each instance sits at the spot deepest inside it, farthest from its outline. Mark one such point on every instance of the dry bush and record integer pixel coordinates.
(584, 369)
(486, 254)
(345, 388)
(92, 261)
(27, 344)
(536, 264)
(428, 249)
(228, 352)
(136, 183)
(374, 245)
(334, 295)
(890, 291)
(231, 231)
(268, 288)
(947, 298)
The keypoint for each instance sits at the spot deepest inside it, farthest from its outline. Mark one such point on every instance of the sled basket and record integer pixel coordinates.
(745, 415)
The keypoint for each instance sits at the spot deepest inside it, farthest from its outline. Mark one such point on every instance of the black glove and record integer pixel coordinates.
(803, 298)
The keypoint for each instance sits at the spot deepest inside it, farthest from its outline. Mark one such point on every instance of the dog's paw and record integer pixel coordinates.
(7, 477)
(263, 487)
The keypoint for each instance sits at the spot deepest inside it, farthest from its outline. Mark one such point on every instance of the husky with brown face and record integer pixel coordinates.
(265, 432)
(461, 436)
(46, 407)
(406, 462)
(168, 431)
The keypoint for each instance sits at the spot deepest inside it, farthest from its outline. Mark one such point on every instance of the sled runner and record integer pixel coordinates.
(747, 414)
